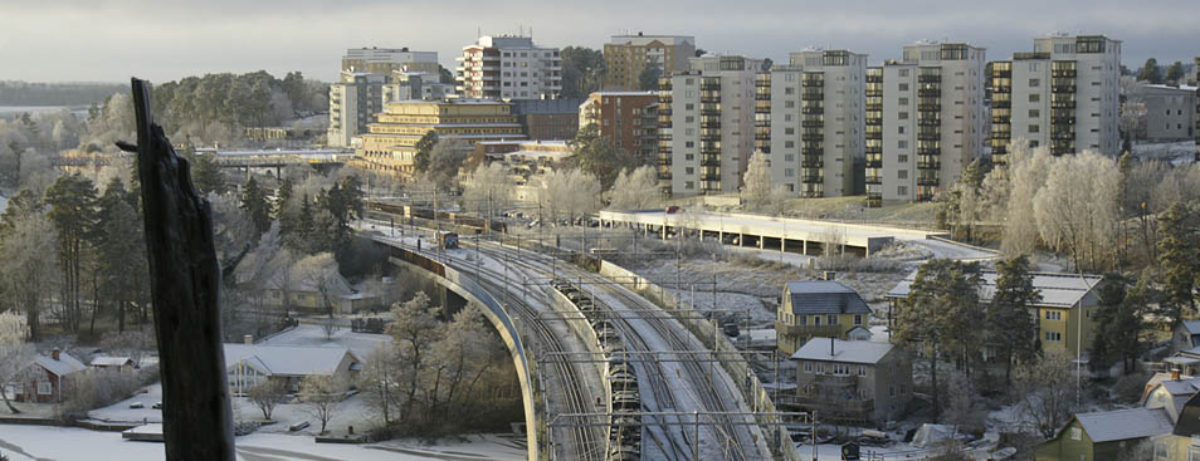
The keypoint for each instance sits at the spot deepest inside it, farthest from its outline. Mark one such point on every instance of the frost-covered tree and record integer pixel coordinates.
(1027, 169)
(634, 190)
(321, 396)
(756, 191)
(1076, 212)
(1046, 391)
(381, 382)
(267, 395)
(28, 274)
(488, 189)
(568, 194)
(15, 353)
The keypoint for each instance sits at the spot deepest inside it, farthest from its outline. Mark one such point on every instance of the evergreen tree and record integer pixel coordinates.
(1175, 72)
(648, 79)
(117, 250)
(298, 238)
(72, 202)
(1179, 260)
(206, 174)
(1010, 325)
(1120, 322)
(941, 314)
(424, 147)
(1151, 72)
(598, 156)
(283, 195)
(254, 201)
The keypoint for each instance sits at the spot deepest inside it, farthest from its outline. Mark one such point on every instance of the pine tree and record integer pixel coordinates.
(941, 314)
(206, 174)
(117, 250)
(1119, 322)
(1175, 72)
(72, 202)
(254, 201)
(1010, 324)
(1179, 260)
(1151, 72)
(282, 196)
(424, 147)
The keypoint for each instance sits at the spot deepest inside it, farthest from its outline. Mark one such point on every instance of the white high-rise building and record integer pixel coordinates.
(933, 119)
(384, 61)
(817, 112)
(706, 126)
(353, 103)
(1064, 94)
(508, 67)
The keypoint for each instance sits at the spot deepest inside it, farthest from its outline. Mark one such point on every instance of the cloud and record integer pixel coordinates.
(163, 40)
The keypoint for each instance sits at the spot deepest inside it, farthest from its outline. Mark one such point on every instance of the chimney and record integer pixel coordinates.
(831, 353)
(56, 353)
(248, 339)
(1174, 374)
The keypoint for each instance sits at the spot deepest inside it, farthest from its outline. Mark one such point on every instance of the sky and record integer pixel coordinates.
(160, 40)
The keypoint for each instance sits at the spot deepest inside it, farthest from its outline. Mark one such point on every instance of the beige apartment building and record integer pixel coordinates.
(853, 382)
(1065, 94)
(933, 119)
(816, 120)
(627, 56)
(706, 125)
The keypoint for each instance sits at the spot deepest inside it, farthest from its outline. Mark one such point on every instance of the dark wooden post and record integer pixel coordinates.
(184, 284)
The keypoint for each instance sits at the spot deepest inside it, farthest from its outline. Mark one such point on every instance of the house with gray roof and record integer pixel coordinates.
(852, 382)
(48, 377)
(1105, 435)
(248, 365)
(819, 308)
(1065, 298)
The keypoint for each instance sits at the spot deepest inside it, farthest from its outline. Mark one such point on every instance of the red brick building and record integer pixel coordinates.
(625, 118)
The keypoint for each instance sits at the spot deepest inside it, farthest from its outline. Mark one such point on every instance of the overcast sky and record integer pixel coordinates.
(103, 40)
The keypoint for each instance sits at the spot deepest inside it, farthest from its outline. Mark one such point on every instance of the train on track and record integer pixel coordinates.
(624, 402)
(385, 211)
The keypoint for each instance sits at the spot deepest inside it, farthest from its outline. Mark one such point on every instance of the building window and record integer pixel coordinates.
(858, 319)
(1035, 97)
(1053, 315)
(903, 87)
(833, 320)
(1076, 433)
(1034, 83)
(902, 191)
(43, 388)
(1160, 449)
(803, 319)
(902, 174)
(1053, 336)
(816, 320)
(903, 101)
(1034, 113)
(1034, 128)
(903, 116)
(900, 129)
(808, 368)
(902, 144)
(862, 370)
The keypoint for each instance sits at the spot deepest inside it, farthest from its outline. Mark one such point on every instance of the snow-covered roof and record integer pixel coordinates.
(111, 361)
(825, 297)
(1191, 326)
(65, 365)
(288, 360)
(1057, 289)
(1134, 423)
(865, 352)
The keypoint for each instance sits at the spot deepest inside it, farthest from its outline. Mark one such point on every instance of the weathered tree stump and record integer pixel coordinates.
(184, 285)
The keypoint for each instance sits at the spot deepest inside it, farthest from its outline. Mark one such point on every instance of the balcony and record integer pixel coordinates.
(811, 123)
(710, 177)
(813, 179)
(929, 78)
(929, 165)
(929, 93)
(874, 179)
(812, 163)
(812, 95)
(929, 107)
(813, 110)
(927, 179)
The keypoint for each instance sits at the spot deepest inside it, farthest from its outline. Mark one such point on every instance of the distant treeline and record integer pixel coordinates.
(13, 93)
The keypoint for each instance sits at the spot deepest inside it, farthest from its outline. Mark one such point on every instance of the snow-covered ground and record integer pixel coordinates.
(362, 344)
(22, 443)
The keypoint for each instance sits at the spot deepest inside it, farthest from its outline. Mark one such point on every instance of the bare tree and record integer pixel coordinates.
(1047, 392)
(446, 158)
(15, 353)
(321, 396)
(320, 272)
(267, 395)
(634, 190)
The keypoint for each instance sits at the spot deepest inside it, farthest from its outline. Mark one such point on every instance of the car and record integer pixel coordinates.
(156, 406)
(137, 405)
(674, 209)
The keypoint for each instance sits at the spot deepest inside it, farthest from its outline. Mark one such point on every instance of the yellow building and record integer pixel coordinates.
(824, 308)
(626, 56)
(390, 143)
(1063, 298)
